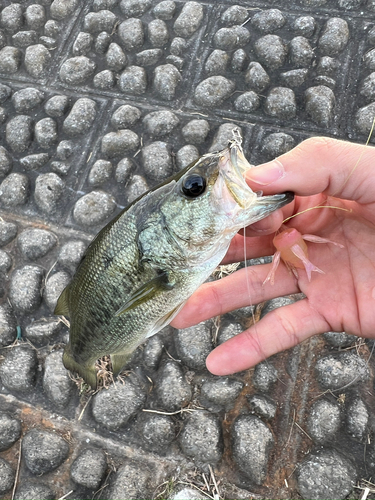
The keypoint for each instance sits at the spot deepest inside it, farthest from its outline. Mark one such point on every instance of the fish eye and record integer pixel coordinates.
(194, 185)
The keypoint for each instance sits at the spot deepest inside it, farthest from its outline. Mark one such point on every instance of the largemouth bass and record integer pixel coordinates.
(142, 267)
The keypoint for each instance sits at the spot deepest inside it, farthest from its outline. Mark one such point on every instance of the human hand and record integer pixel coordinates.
(319, 171)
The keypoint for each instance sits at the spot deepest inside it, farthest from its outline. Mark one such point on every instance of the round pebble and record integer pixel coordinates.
(300, 52)
(119, 143)
(239, 61)
(220, 393)
(71, 254)
(35, 243)
(337, 371)
(157, 432)
(7, 476)
(236, 14)
(281, 103)
(115, 57)
(134, 8)
(320, 103)
(60, 9)
(57, 384)
(323, 420)
(217, 62)
(94, 208)
(57, 106)
(6, 162)
(367, 90)
(10, 430)
(51, 28)
(102, 42)
(5, 262)
(256, 77)
(157, 161)
(196, 131)
(34, 162)
(46, 132)
(35, 16)
(265, 375)
(131, 34)
(340, 339)
(335, 37)
(19, 133)
(49, 189)
(26, 99)
(188, 20)
(357, 419)
(137, 186)
(88, 468)
(277, 144)
(294, 77)
(14, 190)
(8, 326)
(131, 481)
(172, 390)
(43, 451)
(8, 231)
(125, 116)
(100, 173)
(55, 284)
(268, 21)
(271, 51)
(364, 118)
(19, 368)
(213, 91)
(104, 80)
(178, 46)
(252, 443)
(64, 150)
(10, 60)
(25, 287)
(158, 33)
(37, 59)
(247, 102)
(5, 92)
(160, 123)
(31, 491)
(223, 135)
(96, 22)
(166, 79)
(193, 345)
(228, 331)
(11, 17)
(262, 405)
(82, 44)
(76, 70)
(186, 155)
(124, 170)
(81, 117)
(152, 352)
(201, 437)
(114, 407)
(133, 80)
(304, 26)
(325, 474)
(165, 10)
(43, 330)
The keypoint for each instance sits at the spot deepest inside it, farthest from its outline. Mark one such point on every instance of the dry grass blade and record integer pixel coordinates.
(18, 470)
(66, 495)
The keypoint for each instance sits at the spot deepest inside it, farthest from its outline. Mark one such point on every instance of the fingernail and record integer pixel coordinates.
(266, 174)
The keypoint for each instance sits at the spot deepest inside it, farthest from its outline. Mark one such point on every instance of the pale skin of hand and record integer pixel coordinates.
(319, 171)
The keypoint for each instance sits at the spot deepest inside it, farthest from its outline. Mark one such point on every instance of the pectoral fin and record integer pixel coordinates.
(62, 307)
(145, 293)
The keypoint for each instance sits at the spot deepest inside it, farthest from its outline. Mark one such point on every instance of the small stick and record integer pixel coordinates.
(17, 471)
(66, 494)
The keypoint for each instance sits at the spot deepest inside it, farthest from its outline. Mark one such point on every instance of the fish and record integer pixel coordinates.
(141, 268)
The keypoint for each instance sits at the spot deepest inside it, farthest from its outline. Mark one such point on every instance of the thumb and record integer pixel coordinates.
(320, 165)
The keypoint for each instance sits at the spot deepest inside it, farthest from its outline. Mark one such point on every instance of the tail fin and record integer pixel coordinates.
(86, 371)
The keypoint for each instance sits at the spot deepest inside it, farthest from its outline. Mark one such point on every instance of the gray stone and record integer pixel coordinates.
(26, 99)
(76, 70)
(81, 117)
(94, 208)
(11, 17)
(158, 33)
(262, 405)
(49, 189)
(133, 80)
(239, 61)
(35, 16)
(10, 430)
(196, 131)
(3, 39)
(125, 116)
(368, 88)
(229, 39)
(5, 92)
(100, 173)
(271, 51)
(335, 372)
(320, 103)
(102, 42)
(213, 91)
(252, 443)
(19, 368)
(247, 102)
(43, 451)
(8, 326)
(300, 52)
(8, 231)
(71, 254)
(166, 79)
(187, 493)
(268, 21)
(160, 123)
(364, 118)
(340, 339)
(236, 14)
(48, 42)
(19, 133)
(131, 34)
(148, 57)
(35, 243)
(265, 375)
(60, 9)
(164, 10)
(55, 284)
(137, 186)
(277, 144)
(281, 103)
(96, 22)
(32, 491)
(228, 331)
(189, 19)
(223, 135)
(220, 393)
(7, 476)
(10, 60)
(217, 62)
(357, 419)
(273, 304)
(14, 190)
(82, 44)
(157, 161)
(5, 262)
(335, 37)
(124, 170)
(46, 132)
(3, 115)
(325, 80)
(52, 28)
(64, 150)
(115, 144)
(152, 352)
(43, 330)
(114, 407)
(304, 26)
(34, 162)
(104, 80)
(25, 287)
(57, 384)
(57, 106)
(115, 57)
(37, 58)
(178, 46)
(294, 77)
(6, 162)
(201, 437)
(157, 432)
(325, 474)
(194, 344)
(131, 481)
(323, 421)
(88, 468)
(186, 155)
(134, 8)
(176, 61)
(256, 77)
(23, 39)
(103, 4)
(172, 390)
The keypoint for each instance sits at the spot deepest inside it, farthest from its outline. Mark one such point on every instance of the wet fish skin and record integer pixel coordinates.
(141, 268)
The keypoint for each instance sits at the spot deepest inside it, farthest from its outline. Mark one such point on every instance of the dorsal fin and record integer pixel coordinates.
(62, 307)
